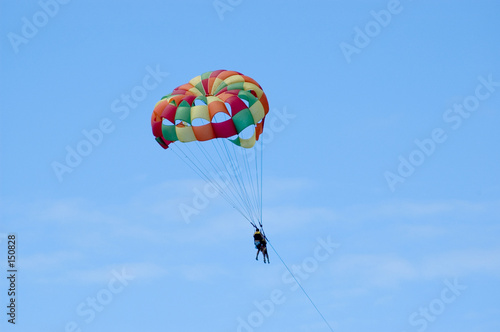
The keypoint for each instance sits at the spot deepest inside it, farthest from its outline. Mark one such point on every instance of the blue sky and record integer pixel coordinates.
(381, 182)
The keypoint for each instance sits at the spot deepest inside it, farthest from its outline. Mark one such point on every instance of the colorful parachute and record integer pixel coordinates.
(220, 91)
(213, 123)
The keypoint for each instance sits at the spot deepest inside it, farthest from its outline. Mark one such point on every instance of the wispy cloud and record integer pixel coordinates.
(390, 270)
(290, 217)
(134, 220)
(47, 261)
(69, 211)
(418, 208)
(67, 268)
(376, 270)
(201, 272)
(139, 270)
(424, 231)
(414, 208)
(285, 187)
(462, 263)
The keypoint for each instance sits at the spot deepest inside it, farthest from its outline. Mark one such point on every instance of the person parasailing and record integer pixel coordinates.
(260, 243)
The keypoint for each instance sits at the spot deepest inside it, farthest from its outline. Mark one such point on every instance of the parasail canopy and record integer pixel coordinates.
(217, 93)
(213, 123)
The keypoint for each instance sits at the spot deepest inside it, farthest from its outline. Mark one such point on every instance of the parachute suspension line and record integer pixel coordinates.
(232, 156)
(232, 171)
(259, 184)
(228, 168)
(242, 181)
(229, 159)
(231, 183)
(200, 171)
(261, 175)
(218, 169)
(246, 180)
(232, 178)
(302, 288)
(204, 176)
(245, 173)
(253, 180)
(257, 191)
(191, 164)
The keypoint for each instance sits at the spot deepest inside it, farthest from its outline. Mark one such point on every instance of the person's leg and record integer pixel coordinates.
(264, 253)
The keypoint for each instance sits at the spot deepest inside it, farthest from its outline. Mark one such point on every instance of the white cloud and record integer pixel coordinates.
(419, 209)
(201, 272)
(282, 187)
(376, 270)
(424, 231)
(461, 263)
(133, 220)
(386, 270)
(290, 217)
(69, 211)
(414, 208)
(100, 275)
(48, 261)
